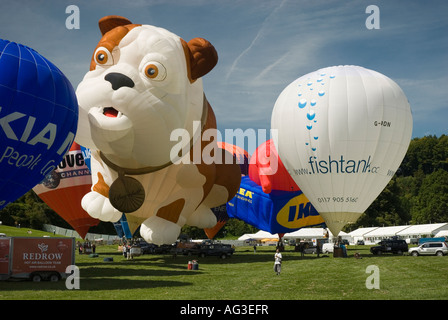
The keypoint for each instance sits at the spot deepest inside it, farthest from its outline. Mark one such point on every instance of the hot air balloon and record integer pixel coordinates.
(342, 133)
(241, 157)
(126, 226)
(38, 119)
(267, 170)
(222, 217)
(63, 189)
(276, 212)
(122, 228)
(143, 115)
(86, 153)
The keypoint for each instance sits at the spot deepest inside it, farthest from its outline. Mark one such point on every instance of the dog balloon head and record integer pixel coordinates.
(144, 82)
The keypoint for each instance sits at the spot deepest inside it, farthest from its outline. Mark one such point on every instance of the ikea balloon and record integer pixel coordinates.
(63, 189)
(267, 170)
(342, 134)
(276, 212)
(143, 112)
(38, 119)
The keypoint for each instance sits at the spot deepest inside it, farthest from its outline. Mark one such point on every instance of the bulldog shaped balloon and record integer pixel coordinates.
(142, 114)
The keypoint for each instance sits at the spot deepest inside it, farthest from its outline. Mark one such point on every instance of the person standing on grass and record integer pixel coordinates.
(278, 261)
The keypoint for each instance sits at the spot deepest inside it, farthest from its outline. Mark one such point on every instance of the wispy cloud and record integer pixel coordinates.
(265, 24)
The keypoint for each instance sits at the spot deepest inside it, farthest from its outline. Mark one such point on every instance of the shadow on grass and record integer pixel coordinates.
(248, 256)
(101, 284)
(94, 284)
(179, 262)
(99, 276)
(161, 271)
(123, 270)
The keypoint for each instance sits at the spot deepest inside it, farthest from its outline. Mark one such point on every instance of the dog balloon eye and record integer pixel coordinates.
(151, 71)
(103, 57)
(155, 71)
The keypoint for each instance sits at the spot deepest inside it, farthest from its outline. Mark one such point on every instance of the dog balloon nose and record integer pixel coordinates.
(119, 80)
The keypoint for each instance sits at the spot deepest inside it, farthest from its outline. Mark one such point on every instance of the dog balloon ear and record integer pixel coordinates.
(201, 57)
(107, 23)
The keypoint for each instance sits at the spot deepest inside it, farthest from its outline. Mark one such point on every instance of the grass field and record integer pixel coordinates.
(244, 276)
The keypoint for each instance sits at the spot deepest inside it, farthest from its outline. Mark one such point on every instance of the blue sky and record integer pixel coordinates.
(263, 45)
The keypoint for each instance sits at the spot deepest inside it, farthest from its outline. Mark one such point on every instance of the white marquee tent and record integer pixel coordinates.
(375, 234)
(359, 234)
(369, 235)
(311, 233)
(304, 233)
(441, 233)
(422, 230)
(382, 233)
(260, 235)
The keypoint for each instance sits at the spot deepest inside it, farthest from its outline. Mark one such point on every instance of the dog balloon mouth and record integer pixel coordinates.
(111, 112)
(107, 124)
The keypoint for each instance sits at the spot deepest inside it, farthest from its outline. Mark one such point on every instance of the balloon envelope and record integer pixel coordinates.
(276, 212)
(241, 157)
(63, 189)
(267, 170)
(342, 133)
(221, 217)
(86, 153)
(122, 228)
(38, 116)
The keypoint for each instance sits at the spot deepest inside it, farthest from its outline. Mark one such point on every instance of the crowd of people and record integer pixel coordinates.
(129, 249)
(87, 247)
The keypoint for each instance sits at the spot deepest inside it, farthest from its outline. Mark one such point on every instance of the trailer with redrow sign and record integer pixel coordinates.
(36, 259)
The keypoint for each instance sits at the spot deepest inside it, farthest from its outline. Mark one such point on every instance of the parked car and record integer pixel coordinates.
(146, 248)
(390, 246)
(216, 249)
(306, 247)
(136, 251)
(430, 248)
(185, 247)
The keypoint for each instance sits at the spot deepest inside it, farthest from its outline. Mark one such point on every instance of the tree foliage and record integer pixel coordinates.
(431, 203)
(427, 154)
(418, 193)
(28, 211)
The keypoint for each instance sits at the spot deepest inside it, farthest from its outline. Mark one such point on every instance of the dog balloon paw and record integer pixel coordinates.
(99, 207)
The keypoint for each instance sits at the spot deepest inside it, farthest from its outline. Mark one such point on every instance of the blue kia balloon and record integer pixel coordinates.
(38, 119)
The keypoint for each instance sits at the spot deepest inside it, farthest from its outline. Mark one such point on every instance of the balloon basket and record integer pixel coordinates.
(338, 252)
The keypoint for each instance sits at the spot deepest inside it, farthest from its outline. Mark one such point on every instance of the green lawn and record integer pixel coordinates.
(245, 276)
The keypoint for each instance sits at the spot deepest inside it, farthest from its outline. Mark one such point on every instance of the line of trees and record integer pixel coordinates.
(418, 193)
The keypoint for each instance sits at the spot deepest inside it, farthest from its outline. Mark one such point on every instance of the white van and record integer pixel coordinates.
(328, 247)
